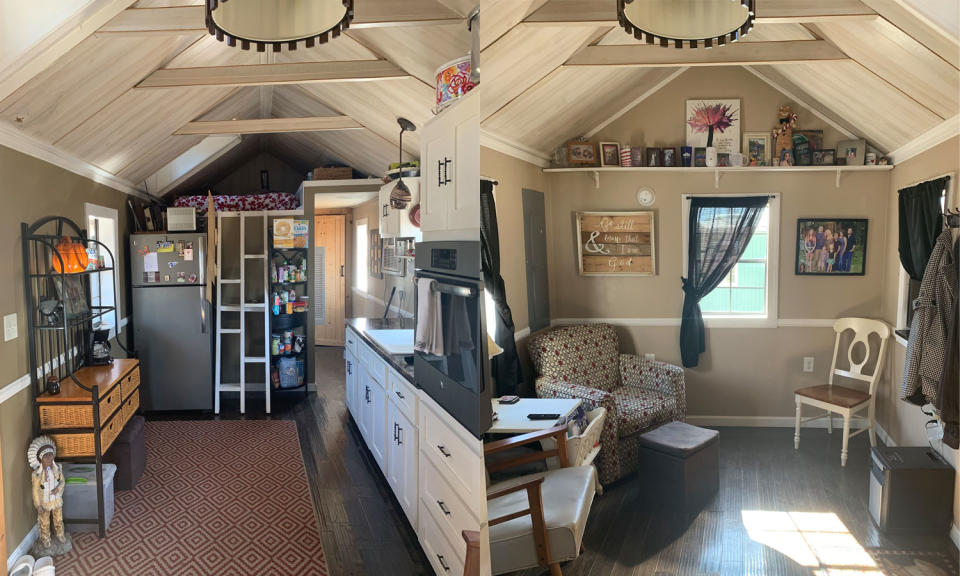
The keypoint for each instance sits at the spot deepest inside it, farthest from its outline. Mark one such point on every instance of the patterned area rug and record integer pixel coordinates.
(910, 563)
(218, 497)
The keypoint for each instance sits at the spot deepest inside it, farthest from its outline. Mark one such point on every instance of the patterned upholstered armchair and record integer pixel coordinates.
(585, 362)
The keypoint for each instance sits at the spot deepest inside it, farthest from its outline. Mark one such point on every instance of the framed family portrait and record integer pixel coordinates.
(756, 148)
(831, 246)
(711, 122)
(581, 153)
(609, 153)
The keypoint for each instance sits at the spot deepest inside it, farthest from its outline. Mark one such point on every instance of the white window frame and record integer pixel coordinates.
(361, 256)
(773, 265)
(903, 289)
(104, 212)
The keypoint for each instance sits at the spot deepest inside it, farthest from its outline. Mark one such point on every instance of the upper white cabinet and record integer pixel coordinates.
(394, 222)
(450, 165)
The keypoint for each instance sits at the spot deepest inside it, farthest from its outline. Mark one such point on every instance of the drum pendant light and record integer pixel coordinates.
(400, 196)
(277, 22)
(686, 23)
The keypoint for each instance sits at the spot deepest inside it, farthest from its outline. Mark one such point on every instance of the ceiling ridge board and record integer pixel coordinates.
(36, 148)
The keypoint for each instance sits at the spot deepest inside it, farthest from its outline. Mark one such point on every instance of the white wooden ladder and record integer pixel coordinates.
(243, 307)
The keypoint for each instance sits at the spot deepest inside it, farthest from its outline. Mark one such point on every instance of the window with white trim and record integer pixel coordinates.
(748, 295)
(102, 226)
(362, 254)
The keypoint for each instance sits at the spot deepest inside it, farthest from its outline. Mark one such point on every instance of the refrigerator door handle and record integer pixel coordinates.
(203, 309)
(203, 285)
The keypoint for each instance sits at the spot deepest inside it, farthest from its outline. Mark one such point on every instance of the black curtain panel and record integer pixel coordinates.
(921, 222)
(507, 376)
(720, 229)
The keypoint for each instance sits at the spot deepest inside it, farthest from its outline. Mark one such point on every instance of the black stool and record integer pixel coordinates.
(680, 463)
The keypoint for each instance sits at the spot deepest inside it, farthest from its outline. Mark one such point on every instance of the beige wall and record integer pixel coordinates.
(658, 120)
(904, 422)
(366, 307)
(34, 189)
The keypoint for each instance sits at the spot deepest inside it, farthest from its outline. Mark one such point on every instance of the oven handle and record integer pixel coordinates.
(454, 290)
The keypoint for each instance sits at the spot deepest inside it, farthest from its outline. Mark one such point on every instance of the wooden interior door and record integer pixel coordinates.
(330, 290)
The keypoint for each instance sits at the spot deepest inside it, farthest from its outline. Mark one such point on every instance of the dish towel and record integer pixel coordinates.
(429, 335)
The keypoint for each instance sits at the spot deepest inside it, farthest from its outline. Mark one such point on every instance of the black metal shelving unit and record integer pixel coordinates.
(295, 321)
(58, 349)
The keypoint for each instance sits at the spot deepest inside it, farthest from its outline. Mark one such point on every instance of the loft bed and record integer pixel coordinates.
(242, 203)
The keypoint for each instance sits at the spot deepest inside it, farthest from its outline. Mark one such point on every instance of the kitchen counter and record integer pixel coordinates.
(396, 361)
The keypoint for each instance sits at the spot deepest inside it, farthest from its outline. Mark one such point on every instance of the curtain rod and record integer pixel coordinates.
(946, 175)
(487, 179)
(689, 196)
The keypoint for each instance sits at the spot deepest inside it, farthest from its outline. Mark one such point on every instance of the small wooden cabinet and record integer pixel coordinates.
(76, 421)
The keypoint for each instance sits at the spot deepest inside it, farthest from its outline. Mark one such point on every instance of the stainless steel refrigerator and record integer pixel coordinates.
(172, 320)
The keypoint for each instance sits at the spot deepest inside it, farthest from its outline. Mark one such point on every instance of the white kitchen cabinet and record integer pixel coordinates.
(450, 164)
(395, 222)
(402, 457)
(350, 373)
(377, 441)
(365, 388)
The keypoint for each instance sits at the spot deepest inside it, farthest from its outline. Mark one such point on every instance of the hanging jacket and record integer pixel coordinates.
(948, 404)
(926, 349)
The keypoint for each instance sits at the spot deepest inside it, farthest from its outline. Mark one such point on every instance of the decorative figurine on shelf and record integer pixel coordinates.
(48, 487)
(783, 135)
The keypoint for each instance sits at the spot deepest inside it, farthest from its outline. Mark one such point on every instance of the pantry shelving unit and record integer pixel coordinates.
(296, 322)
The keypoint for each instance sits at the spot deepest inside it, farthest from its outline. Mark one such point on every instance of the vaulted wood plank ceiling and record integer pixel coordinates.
(891, 76)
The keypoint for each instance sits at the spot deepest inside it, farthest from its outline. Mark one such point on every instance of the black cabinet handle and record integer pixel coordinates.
(443, 450)
(399, 395)
(349, 368)
(443, 507)
(341, 275)
(367, 394)
(443, 563)
(399, 435)
(396, 432)
(439, 176)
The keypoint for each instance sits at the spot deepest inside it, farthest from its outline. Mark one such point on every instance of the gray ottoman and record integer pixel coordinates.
(679, 462)
(80, 495)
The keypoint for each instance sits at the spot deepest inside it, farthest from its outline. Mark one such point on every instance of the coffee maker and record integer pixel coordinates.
(98, 346)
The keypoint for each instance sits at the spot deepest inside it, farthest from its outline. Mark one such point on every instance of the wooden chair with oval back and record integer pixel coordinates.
(843, 400)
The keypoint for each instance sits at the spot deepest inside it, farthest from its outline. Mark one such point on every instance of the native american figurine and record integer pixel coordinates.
(783, 136)
(48, 487)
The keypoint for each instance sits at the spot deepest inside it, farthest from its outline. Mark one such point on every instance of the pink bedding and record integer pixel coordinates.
(246, 203)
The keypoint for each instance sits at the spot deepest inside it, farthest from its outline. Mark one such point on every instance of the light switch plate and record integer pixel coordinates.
(9, 327)
(808, 363)
(650, 357)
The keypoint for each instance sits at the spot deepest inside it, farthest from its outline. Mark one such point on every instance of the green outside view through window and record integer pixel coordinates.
(744, 290)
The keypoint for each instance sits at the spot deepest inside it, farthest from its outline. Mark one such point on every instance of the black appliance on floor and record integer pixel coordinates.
(911, 490)
(459, 380)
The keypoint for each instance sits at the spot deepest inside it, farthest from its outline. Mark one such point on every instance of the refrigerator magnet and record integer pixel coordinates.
(166, 277)
(188, 254)
(172, 263)
(180, 247)
(164, 246)
(149, 277)
(192, 278)
(181, 277)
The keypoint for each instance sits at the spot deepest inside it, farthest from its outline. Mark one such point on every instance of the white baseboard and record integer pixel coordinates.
(774, 422)
(24, 548)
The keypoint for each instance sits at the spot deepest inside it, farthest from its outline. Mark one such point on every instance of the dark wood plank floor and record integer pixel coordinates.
(365, 532)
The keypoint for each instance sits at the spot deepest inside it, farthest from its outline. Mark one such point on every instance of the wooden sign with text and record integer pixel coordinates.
(616, 243)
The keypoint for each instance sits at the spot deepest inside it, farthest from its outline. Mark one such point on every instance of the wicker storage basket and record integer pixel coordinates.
(581, 449)
(78, 445)
(333, 173)
(53, 417)
(130, 407)
(129, 383)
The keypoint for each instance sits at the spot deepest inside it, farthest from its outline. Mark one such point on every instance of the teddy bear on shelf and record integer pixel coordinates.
(783, 136)
(48, 484)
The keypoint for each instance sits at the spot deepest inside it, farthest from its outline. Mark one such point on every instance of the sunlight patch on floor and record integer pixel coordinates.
(816, 540)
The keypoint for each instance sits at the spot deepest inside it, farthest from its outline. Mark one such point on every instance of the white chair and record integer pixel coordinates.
(840, 399)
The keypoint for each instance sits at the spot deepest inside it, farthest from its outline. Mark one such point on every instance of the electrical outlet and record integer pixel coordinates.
(808, 363)
(650, 357)
(9, 327)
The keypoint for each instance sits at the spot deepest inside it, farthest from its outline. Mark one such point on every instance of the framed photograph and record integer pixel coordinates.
(700, 157)
(756, 148)
(654, 157)
(851, 152)
(723, 159)
(72, 295)
(670, 157)
(616, 243)
(711, 122)
(636, 156)
(823, 157)
(581, 153)
(375, 258)
(831, 246)
(805, 143)
(609, 153)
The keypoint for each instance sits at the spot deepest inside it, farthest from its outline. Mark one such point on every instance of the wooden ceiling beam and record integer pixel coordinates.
(604, 12)
(269, 125)
(190, 19)
(274, 74)
(738, 54)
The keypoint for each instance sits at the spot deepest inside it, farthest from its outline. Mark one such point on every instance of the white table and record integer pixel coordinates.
(512, 418)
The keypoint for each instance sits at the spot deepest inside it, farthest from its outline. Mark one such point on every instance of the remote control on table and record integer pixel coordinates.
(543, 416)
